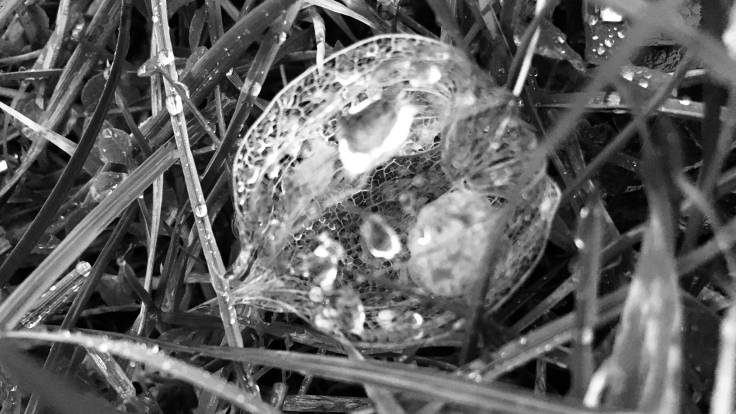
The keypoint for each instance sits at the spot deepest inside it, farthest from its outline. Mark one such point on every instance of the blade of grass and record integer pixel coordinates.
(140, 325)
(527, 44)
(722, 400)
(14, 60)
(446, 20)
(382, 398)
(715, 135)
(714, 157)
(58, 295)
(527, 52)
(590, 244)
(318, 24)
(32, 74)
(216, 30)
(122, 105)
(338, 8)
(109, 369)
(61, 142)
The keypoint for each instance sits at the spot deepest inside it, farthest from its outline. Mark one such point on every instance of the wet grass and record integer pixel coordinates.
(628, 310)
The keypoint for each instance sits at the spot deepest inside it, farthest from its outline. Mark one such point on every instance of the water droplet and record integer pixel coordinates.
(601, 50)
(316, 294)
(586, 337)
(200, 210)
(610, 16)
(644, 83)
(386, 315)
(608, 42)
(613, 99)
(83, 268)
(381, 240)
(584, 212)
(579, 243)
(628, 74)
(417, 320)
(255, 89)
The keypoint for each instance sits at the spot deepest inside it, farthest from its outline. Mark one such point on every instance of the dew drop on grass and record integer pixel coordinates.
(200, 210)
(103, 184)
(316, 294)
(579, 243)
(584, 212)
